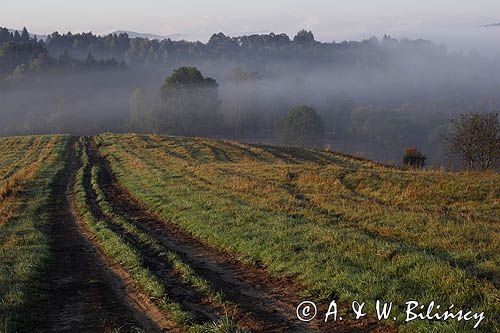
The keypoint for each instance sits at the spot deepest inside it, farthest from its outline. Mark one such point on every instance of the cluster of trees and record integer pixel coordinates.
(80, 45)
(21, 54)
(16, 37)
(256, 50)
(187, 104)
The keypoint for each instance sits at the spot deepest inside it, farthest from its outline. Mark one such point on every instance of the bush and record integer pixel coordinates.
(413, 158)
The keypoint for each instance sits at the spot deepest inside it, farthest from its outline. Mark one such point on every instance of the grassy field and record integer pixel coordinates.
(126, 245)
(28, 168)
(215, 236)
(341, 227)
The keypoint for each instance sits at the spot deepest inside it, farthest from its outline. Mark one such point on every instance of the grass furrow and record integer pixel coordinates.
(119, 252)
(146, 241)
(299, 219)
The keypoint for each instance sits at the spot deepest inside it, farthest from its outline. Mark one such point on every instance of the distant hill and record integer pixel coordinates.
(133, 34)
(492, 25)
(38, 36)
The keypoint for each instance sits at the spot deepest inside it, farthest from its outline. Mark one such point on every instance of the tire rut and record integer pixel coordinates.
(177, 290)
(268, 304)
(80, 294)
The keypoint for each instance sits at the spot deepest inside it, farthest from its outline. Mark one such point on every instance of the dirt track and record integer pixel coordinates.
(261, 307)
(264, 304)
(89, 294)
(83, 294)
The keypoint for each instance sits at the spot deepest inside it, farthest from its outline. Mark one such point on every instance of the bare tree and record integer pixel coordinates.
(475, 139)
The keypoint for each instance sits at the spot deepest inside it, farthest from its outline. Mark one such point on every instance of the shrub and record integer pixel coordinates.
(413, 158)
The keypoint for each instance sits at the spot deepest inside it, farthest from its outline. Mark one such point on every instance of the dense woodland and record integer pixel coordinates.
(374, 97)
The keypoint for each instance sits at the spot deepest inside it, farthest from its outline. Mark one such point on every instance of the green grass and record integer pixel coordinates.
(118, 251)
(131, 258)
(146, 241)
(342, 227)
(30, 167)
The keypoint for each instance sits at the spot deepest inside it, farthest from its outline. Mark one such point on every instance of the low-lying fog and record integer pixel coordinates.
(376, 97)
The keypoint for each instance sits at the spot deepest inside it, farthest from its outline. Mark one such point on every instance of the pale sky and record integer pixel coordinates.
(441, 20)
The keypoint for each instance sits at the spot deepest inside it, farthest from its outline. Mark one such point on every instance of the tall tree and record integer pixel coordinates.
(189, 104)
(90, 61)
(17, 37)
(302, 126)
(140, 115)
(475, 139)
(25, 36)
(5, 36)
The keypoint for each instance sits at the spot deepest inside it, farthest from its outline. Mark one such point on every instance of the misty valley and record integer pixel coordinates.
(374, 98)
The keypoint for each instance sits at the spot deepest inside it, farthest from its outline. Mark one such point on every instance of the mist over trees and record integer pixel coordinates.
(375, 97)
(187, 104)
(302, 127)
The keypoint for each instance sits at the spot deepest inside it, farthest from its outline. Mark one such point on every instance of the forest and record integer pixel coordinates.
(372, 98)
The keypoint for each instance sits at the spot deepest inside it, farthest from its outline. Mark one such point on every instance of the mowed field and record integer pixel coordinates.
(152, 233)
(29, 167)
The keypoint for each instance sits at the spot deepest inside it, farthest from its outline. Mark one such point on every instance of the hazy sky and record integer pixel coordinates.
(447, 21)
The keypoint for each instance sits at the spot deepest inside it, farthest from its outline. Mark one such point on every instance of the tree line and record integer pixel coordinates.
(255, 50)
(22, 55)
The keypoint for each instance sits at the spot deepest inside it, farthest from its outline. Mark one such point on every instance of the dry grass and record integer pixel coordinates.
(336, 223)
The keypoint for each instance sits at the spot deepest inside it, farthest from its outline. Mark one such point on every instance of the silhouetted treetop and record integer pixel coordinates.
(304, 37)
(188, 77)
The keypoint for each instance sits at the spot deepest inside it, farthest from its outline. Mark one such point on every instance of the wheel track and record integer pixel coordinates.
(268, 302)
(83, 293)
(178, 290)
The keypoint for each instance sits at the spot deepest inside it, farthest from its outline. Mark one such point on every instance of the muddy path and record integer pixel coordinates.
(264, 304)
(83, 294)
